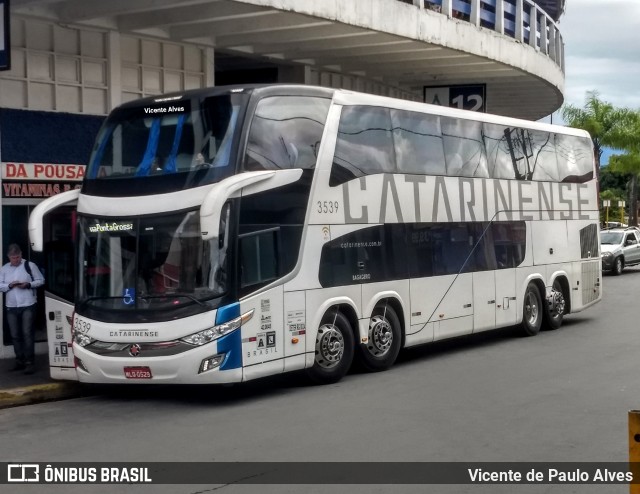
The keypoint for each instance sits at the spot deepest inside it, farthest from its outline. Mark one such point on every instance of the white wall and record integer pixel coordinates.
(67, 69)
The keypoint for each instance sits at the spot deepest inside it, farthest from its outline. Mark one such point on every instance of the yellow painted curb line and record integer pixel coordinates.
(37, 394)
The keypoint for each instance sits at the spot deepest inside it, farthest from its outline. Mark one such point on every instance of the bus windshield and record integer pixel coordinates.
(149, 263)
(168, 137)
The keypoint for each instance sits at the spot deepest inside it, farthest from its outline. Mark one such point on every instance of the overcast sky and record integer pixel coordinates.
(602, 51)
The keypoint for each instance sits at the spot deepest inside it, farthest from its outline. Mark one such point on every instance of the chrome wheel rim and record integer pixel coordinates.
(380, 336)
(531, 309)
(558, 303)
(329, 346)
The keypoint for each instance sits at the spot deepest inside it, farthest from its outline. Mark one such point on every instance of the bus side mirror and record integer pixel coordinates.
(211, 208)
(246, 183)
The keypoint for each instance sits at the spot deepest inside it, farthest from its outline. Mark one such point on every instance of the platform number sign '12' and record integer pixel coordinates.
(464, 97)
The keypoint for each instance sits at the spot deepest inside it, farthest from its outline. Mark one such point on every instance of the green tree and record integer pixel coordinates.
(626, 137)
(618, 128)
(629, 163)
(599, 118)
(614, 181)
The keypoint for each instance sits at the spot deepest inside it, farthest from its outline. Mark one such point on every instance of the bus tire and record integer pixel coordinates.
(334, 349)
(555, 308)
(532, 311)
(385, 338)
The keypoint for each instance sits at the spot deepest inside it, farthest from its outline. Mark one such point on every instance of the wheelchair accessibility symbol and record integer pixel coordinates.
(129, 296)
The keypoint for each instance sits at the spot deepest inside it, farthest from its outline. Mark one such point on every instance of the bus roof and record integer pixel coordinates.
(349, 98)
(259, 89)
(346, 97)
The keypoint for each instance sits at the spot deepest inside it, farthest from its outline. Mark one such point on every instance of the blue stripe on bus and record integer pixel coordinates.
(152, 146)
(227, 313)
(170, 167)
(231, 344)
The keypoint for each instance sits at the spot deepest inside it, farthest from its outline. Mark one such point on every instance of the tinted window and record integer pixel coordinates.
(499, 157)
(369, 255)
(364, 145)
(522, 154)
(392, 252)
(509, 241)
(543, 162)
(575, 158)
(526, 154)
(464, 151)
(418, 143)
(374, 140)
(286, 133)
(258, 257)
(451, 248)
(438, 249)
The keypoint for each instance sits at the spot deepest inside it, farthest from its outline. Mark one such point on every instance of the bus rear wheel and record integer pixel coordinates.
(334, 349)
(384, 339)
(556, 307)
(532, 311)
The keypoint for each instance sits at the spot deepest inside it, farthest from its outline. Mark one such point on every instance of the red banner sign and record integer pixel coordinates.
(42, 171)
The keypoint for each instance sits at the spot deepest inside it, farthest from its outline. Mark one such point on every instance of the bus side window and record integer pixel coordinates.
(259, 258)
(286, 132)
(364, 145)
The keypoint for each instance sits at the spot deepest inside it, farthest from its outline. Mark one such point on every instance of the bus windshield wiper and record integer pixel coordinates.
(95, 297)
(175, 294)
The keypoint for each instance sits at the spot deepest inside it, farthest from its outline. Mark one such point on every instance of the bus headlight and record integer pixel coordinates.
(208, 335)
(82, 339)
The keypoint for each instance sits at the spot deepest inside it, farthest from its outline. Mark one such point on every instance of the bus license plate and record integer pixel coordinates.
(137, 373)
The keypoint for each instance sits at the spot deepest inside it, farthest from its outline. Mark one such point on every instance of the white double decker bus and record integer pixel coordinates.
(231, 233)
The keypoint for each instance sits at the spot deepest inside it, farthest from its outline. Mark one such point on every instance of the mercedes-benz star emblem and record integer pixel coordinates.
(134, 350)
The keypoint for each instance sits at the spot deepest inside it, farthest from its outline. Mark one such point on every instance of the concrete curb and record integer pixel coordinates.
(38, 393)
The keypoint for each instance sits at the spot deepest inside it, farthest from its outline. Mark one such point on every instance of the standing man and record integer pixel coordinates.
(19, 279)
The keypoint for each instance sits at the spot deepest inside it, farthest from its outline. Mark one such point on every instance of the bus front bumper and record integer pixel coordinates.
(185, 368)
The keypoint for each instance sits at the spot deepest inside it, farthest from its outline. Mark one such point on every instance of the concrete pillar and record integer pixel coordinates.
(209, 67)
(447, 8)
(519, 21)
(544, 48)
(500, 16)
(533, 26)
(114, 63)
(553, 50)
(475, 13)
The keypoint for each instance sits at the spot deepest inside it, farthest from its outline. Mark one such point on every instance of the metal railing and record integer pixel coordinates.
(523, 20)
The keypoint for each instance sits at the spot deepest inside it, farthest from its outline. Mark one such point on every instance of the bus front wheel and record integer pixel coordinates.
(532, 311)
(384, 339)
(334, 349)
